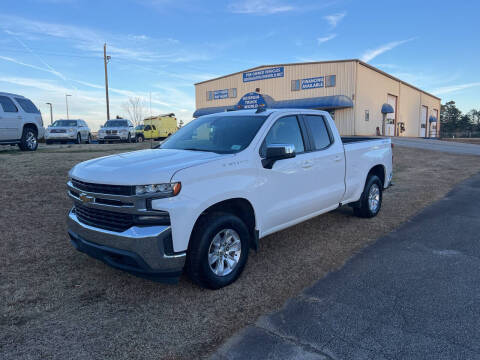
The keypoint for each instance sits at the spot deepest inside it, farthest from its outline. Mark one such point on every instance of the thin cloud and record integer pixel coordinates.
(454, 88)
(373, 53)
(324, 39)
(259, 7)
(334, 19)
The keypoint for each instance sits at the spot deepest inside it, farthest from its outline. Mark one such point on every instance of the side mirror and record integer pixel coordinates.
(277, 152)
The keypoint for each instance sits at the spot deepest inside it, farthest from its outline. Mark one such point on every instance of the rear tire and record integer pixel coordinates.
(29, 141)
(224, 239)
(48, 142)
(370, 202)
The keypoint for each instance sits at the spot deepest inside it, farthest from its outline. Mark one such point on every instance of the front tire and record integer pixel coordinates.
(370, 202)
(29, 141)
(140, 139)
(79, 139)
(218, 250)
(89, 139)
(129, 138)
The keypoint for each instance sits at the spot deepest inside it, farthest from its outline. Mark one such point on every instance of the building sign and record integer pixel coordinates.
(251, 101)
(263, 74)
(316, 82)
(220, 94)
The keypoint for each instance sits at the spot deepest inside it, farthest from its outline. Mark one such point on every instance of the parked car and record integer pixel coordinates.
(215, 187)
(156, 127)
(116, 130)
(68, 130)
(21, 122)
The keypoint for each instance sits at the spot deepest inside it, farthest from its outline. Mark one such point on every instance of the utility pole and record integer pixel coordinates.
(66, 102)
(51, 113)
(105, 61)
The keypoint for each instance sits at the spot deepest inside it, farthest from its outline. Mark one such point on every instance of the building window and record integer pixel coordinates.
(330, 80)
(367, 115)
(295, 85)
(209, 95)
(232, 93)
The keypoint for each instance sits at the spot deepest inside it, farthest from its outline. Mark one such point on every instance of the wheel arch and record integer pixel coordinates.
(240, 207)
(30, 125)
(378, 170)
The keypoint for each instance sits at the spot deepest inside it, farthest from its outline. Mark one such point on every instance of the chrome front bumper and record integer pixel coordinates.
(142, 250)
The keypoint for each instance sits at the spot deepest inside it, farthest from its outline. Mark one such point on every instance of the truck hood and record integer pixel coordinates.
(153, 166)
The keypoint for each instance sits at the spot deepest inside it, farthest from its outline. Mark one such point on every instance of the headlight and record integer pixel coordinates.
(70, 130)
(123, 131)
(159, 190)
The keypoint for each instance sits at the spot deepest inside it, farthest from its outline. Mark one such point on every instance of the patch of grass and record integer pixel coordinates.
(58, 303)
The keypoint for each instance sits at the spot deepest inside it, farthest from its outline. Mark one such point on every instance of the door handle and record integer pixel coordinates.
(307, 164)
(338, 158)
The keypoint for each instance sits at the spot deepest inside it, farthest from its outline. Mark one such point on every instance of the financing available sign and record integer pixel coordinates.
(270, 73)
(316, 82)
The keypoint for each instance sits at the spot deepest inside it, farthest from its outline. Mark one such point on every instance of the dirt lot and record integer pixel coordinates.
(58, 303)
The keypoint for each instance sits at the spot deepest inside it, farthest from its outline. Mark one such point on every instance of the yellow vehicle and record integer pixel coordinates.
(156, 127)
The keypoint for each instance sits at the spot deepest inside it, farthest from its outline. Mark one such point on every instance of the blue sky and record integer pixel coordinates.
(162, 47)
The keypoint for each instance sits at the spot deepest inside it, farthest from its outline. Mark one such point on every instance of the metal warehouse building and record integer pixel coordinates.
(362, 99)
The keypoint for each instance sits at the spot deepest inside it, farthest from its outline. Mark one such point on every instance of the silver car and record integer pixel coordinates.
(68, 130)
(116, 130)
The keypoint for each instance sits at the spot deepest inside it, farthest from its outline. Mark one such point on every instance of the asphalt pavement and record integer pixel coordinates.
(413, 294)
(438, 145)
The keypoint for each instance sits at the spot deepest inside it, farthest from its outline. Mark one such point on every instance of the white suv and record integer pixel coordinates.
(68, 130)
(20, 122)
(116, 130)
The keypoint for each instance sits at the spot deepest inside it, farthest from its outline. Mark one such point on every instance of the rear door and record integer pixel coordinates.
(328, 162)
(10, 119)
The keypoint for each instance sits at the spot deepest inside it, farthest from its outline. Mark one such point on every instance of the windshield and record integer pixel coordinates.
(219, 133)
(64, 123)
(139, 127)
(116, 123)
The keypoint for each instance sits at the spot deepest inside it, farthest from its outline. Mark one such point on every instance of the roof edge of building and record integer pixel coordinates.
(325, 62)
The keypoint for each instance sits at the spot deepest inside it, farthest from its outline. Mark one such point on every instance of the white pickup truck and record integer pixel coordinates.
(206, 195)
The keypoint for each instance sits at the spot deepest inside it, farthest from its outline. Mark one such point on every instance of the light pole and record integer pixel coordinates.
(106, 59)
(66, 102)
(51, 113)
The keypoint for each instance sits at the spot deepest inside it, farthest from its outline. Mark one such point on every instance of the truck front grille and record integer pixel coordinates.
(58, 131)
(104, 219)
(104, 189)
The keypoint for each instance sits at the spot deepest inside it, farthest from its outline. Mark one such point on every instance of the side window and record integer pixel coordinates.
(285, 131)
(7, 104)
(27, 106)
(147, 128)
(153, 127)
(319, 131)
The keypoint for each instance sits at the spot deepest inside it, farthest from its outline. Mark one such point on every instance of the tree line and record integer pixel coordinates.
(455, 123)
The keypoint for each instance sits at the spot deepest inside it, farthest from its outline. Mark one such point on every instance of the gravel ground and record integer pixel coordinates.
(56, 303)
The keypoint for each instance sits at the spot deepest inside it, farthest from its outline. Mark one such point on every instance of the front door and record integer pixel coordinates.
(391, 118)
(285, 190)
(10, 119)
(423, 121)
